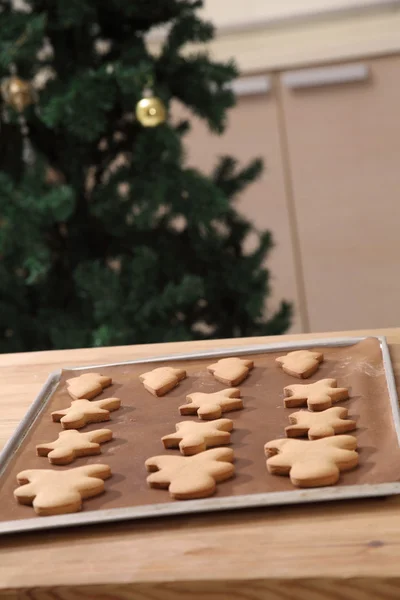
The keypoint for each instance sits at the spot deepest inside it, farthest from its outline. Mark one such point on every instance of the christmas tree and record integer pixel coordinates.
(106, 236)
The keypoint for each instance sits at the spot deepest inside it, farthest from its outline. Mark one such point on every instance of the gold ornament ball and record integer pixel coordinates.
(18, 93)
(151, 112)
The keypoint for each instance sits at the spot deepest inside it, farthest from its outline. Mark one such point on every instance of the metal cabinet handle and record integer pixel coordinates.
(248, 86)
(307, 78)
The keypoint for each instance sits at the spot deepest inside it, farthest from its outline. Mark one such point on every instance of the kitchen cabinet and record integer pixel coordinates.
(341, 127)
(330, 194)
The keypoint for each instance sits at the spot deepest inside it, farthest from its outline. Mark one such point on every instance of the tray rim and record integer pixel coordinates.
(301, 496)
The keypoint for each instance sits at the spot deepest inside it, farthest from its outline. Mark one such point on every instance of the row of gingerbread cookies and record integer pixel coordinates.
(51, 491)
(231, 371)
(318, 461)
(82, 411)
(308, 464)
(197, 472)
(56, 492)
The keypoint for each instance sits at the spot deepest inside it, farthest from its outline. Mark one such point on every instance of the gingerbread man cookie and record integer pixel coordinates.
(300, 363)
(71, 444)
(319, 424)
(312, 463)
(193, 437)
(161, 380)
(189, 477)
(87, 385)
(53, 492)
(211, 406)
(82, 412)
(231, 371)
(318, 396)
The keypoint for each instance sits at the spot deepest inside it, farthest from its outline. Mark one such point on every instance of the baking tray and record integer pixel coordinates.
(368, 372)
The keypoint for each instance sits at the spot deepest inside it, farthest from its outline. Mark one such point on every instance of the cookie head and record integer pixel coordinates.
(231, 371)
(161, 380)
(87, 385)
(300, 363)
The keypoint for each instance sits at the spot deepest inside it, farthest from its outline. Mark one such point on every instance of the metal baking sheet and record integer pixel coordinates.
(209, 504)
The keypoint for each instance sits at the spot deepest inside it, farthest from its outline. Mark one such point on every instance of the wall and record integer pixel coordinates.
(231, 14)
(275, 38)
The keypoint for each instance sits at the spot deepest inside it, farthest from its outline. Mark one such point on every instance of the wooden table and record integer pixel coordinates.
(345, 550)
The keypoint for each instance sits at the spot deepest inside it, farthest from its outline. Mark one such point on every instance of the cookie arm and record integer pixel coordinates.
(296, 430)
(209, 411)
(73, 420)
(319, 402)
(219, 437)
(96, 470)
(61, 455)
(339, 394)
(98, 436)
(89, 486)
(58, 501)
(279, 464)
(316, 432)
(190, 408)
(232, 403)
(192, 485)
(43, 449)
(105, 381)
(345, 459)
(25, 493)
(221, 470)
(171, 440)
(57, 415)
(314, 473)
(344, 425)
(108, 403)
(192, 444)
(158, 479)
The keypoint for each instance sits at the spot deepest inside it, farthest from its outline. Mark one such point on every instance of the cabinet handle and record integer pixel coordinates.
(248, 86)
(307, 78)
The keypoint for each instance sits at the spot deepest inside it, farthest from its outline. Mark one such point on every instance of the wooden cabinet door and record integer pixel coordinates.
(253, 130)
(343, 145)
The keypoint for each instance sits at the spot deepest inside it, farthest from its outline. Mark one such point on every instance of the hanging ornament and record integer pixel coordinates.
(150, 110)
(18, 93)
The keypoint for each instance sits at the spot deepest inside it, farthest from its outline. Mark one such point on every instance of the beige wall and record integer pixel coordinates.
(363, 28)
(236, 13)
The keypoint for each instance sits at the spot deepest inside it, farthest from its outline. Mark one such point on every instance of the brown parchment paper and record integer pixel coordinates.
(143, 419)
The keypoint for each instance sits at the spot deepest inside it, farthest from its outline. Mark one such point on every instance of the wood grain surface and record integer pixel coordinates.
(340, 551)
